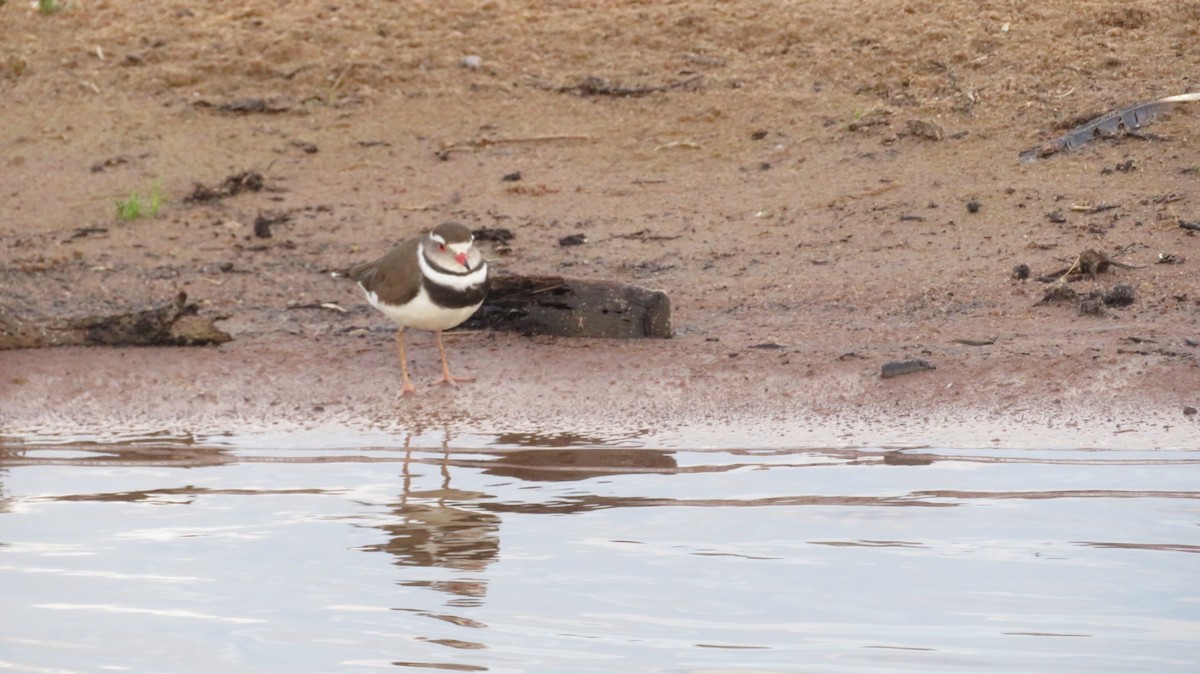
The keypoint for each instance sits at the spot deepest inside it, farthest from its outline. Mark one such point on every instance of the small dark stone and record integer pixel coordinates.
(1021, 272)
(768, 346)
(1191, 342)
(226, 267)
(758, 135)
(973, 206)
(511, 177)
(305, 146)
(262, 227)
(1189, 411)
(1120, 296)
(573, 240)
(1056, 217)
(764, 166)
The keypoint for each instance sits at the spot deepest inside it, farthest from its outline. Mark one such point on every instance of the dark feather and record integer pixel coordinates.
(1107, 126)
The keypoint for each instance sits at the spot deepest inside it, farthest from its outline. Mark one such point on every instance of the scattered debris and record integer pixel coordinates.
(101, 166)
(1090, 262)
(305, 146)
(897, 368)
(1092, 209)
(1170, 258)
(173, 324)
(263, 222)
(1058, 294)
(598, 86)
(446, 150)
(645, 236)
(536, 190)
(86, 231)
(245, 106)
(1091, 306)
(678, 144)
(573, 240)
(1125, 121)
(1168, 198)
(496, 234)
(1021, 272)
(331, 306)
(246, 181)
(872, 117)
(988, 341)
(1120, 296)
(925, 129)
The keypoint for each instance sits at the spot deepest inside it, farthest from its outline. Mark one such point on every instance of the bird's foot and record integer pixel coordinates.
(448, 378)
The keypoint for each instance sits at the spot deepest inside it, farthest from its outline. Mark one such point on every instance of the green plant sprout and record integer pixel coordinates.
(133, 207)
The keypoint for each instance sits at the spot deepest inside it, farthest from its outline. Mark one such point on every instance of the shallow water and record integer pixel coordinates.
(529, 553)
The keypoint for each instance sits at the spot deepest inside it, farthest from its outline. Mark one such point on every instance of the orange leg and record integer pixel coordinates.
(447, 378)
(408, 386)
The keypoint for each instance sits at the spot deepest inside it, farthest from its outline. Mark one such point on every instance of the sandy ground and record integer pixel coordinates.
(820, 187)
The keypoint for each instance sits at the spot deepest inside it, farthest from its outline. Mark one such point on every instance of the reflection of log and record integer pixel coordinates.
(174, 324)
(579, 463)
(569, 307)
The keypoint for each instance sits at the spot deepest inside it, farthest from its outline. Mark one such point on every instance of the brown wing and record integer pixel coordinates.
(395, 278)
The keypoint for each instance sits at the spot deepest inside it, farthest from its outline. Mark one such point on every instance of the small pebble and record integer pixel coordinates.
(1021, 272)
(973, 206)
(472, 62)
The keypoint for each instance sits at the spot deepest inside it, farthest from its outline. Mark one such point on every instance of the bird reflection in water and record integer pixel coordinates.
(459, 529)
(437, 528)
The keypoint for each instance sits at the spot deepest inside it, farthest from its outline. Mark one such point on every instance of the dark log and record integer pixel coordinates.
(571, 307)
(173, 324)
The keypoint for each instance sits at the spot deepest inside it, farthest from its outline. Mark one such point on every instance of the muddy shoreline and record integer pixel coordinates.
(819, 190)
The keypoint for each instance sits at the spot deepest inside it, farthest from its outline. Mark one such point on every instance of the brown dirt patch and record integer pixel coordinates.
(793, 148)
